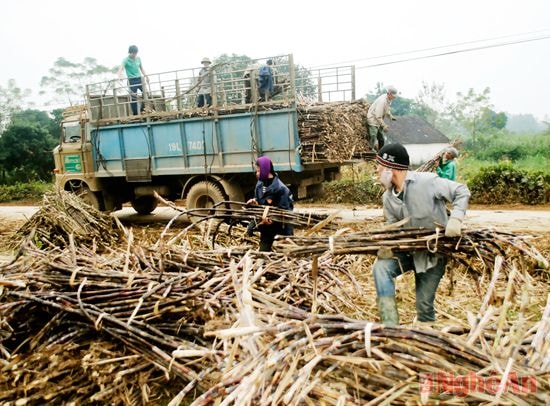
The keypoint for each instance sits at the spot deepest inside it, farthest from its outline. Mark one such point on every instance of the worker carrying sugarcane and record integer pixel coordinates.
(446, 165)
(270, 191)
(419, 197)
(379, 110)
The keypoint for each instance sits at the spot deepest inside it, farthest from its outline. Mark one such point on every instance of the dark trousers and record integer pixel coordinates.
(135, 85)
(204, 98)
(376, 137)
(269, 231)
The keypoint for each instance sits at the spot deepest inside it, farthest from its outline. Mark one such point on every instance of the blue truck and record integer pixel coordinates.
(202, 155)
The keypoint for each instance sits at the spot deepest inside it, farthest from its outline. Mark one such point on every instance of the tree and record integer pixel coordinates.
(492, 120)
(431, 104)
(26, 152)
(523, 124)
(231, 68)
(66, 82)
(468, 110)
(11, 99)
(41, 119)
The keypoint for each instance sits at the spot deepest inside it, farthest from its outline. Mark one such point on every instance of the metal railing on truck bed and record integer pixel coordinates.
(234, 87)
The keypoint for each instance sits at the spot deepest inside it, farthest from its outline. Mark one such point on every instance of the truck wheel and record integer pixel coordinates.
(144, 204)
(203, 195)
(89, 197)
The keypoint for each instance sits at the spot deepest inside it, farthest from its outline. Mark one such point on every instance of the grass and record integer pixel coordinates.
(28, 193)
(468, 167)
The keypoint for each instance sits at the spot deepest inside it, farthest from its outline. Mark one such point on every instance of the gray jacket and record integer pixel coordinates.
(206, 78)
(424, 200)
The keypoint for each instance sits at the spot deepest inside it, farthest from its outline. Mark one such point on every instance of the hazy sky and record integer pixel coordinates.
(175, 35)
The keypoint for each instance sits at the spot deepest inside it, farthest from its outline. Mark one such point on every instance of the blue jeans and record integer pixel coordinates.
(135, 85)
(386, 270)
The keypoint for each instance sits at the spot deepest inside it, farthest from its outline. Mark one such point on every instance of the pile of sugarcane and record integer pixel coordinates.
(63, 217)
(136, 316)
(235, 326)
(180, 322)
(333, 132)
(333, 360)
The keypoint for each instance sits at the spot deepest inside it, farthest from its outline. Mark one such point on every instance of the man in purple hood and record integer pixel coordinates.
(271, 191)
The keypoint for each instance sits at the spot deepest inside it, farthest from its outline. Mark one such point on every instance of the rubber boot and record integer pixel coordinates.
(422, 324)
(388, 310)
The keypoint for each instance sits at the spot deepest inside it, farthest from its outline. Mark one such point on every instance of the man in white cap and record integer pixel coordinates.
(206, 78)
(379, 110)
(420, 198)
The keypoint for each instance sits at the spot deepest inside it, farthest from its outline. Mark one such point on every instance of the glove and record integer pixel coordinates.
(385, 128)
(393, 118)
(384, 253)
(453, 228)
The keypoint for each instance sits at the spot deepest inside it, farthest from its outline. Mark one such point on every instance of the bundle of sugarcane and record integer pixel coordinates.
(333, 132)
(237, 214)
(432, 164)
(484, 244)
(64, 216)
(256, 212)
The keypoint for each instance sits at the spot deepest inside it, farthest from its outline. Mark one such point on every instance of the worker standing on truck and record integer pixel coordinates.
(446, 167)
(134, 70)
(270, 191)
(379, 110)
(206, 78)
(419, 197)
(249, 76)
(266, 81)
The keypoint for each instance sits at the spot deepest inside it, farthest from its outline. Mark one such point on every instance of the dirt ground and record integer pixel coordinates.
(511, 218)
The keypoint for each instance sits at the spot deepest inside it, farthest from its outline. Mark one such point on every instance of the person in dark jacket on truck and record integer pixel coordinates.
(266, 81)
(270, 191)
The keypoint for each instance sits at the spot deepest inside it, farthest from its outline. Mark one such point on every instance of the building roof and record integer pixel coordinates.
(414, 130)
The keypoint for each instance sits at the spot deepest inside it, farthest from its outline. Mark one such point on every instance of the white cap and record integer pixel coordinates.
(205, 59)
(453, 151)
(391, 89)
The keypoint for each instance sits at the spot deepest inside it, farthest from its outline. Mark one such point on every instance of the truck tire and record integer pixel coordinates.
(144, 204)
(89, 197)
(204, 194)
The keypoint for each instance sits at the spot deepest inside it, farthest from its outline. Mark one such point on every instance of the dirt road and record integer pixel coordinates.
(533, 221)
